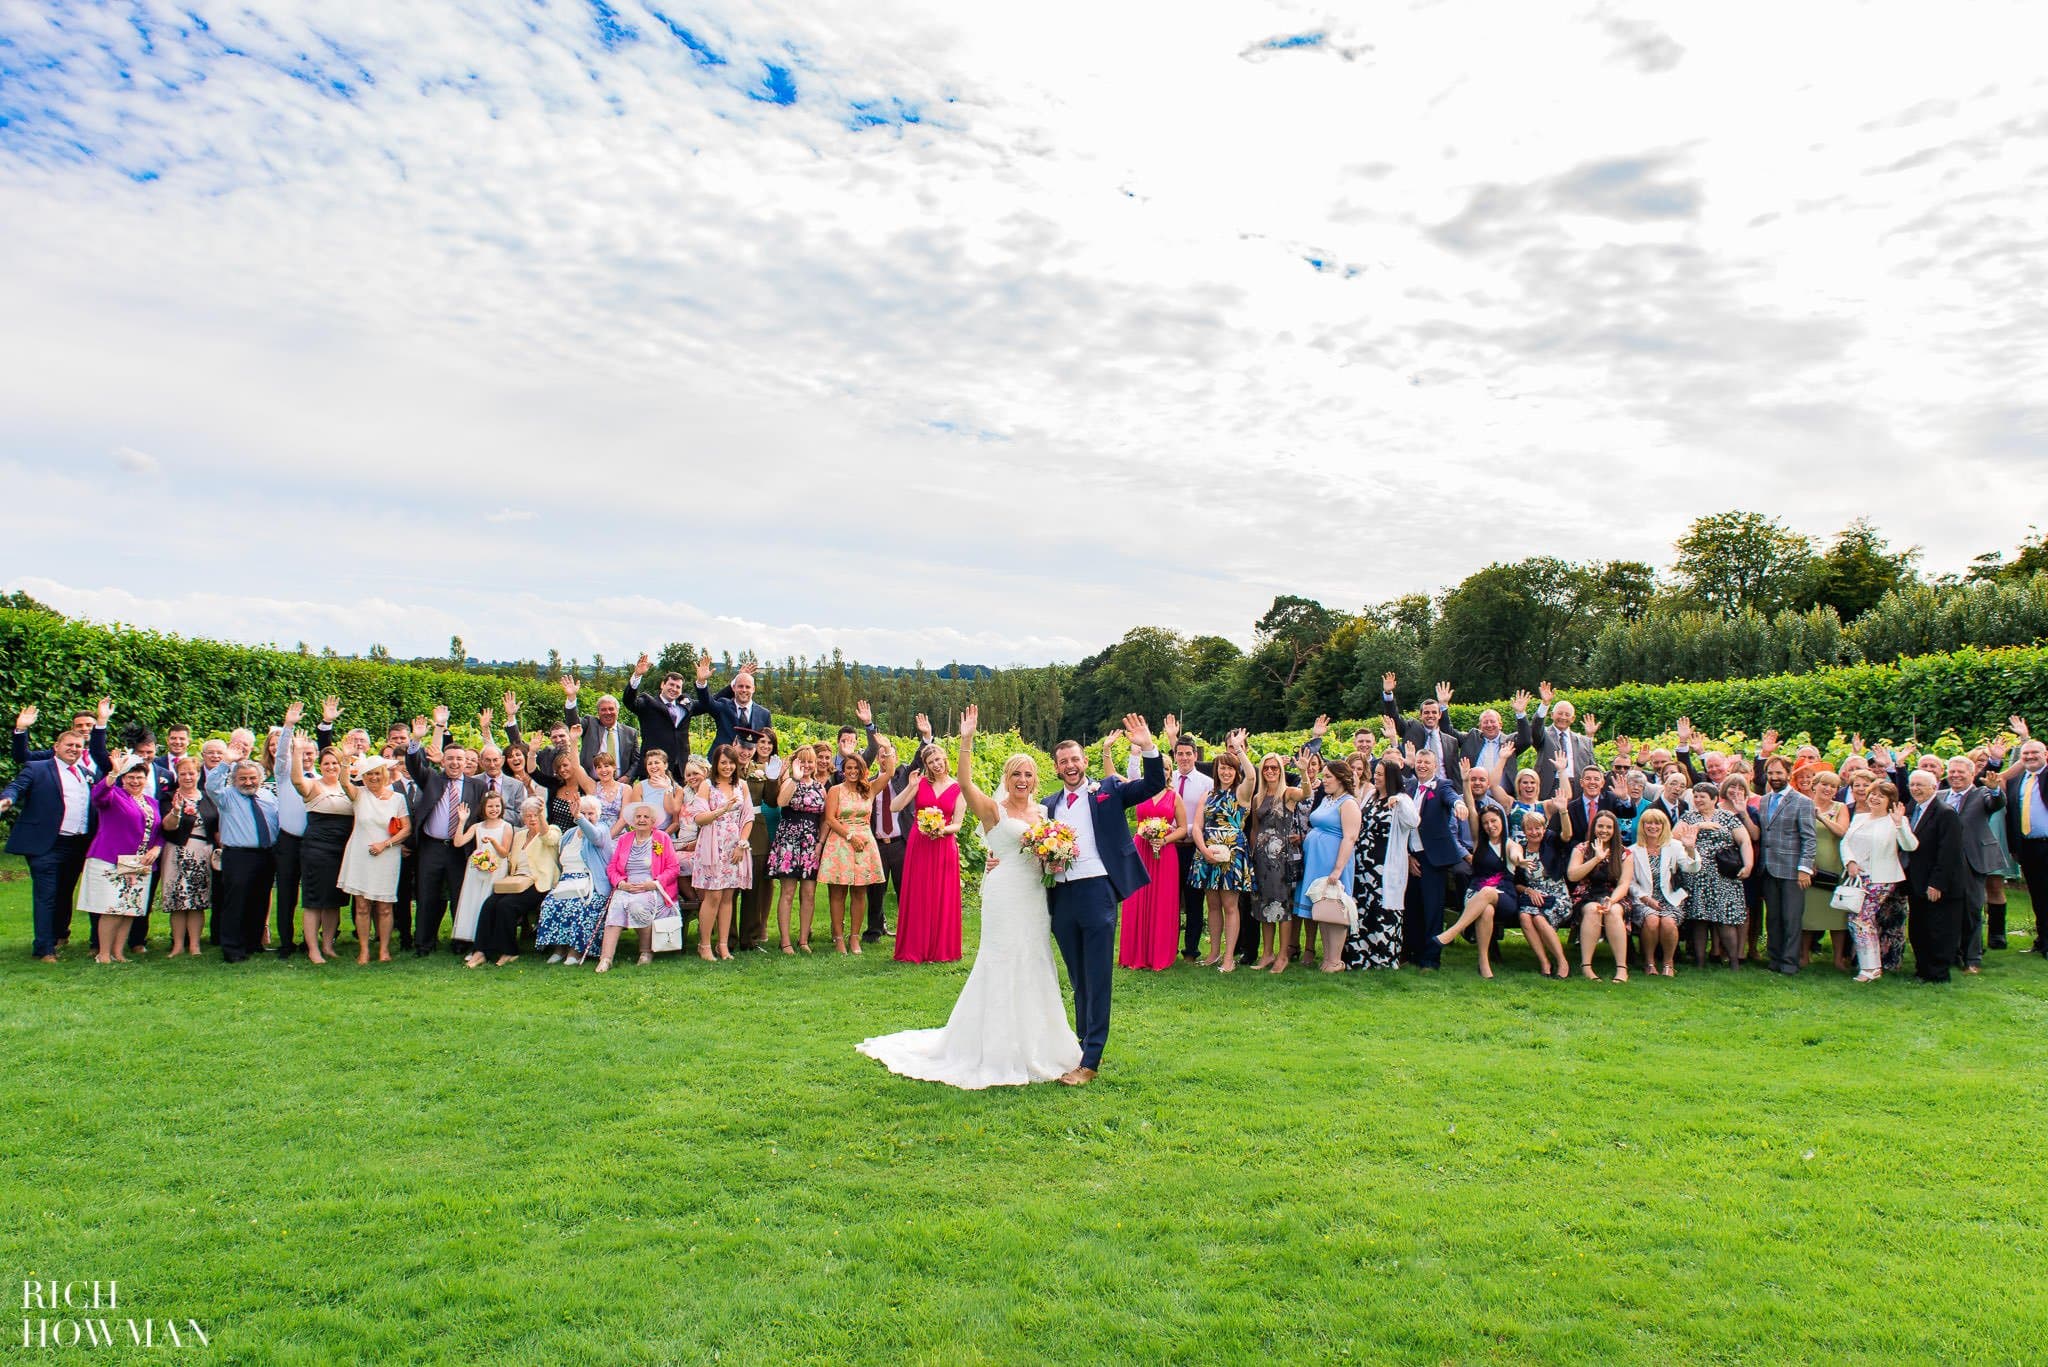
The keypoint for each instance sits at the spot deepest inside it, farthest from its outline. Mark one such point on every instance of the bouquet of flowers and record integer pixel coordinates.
(1154, 829)
(484, 860)
(931, 821)
(1052, 844)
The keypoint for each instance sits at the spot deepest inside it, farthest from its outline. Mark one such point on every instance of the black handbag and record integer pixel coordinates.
(1728, 859)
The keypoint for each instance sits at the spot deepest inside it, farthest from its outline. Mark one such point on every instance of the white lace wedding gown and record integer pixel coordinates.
(1010, 1025)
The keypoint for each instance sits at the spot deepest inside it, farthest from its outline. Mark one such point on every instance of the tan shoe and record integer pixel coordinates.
(1078, 1077)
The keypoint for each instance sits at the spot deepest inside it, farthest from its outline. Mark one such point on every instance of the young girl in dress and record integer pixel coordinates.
(489, 836)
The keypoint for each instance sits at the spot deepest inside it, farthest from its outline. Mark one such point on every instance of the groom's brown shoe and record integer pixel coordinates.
(1079, 1077)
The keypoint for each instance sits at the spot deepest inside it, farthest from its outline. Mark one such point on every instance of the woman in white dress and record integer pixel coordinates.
(1010, 1025)
(370, 864)
(489, 841)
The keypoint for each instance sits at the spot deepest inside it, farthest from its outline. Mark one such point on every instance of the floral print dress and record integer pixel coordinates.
(1223, 824)
(800, 835)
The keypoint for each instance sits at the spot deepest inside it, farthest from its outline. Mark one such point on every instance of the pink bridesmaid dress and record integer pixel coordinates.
(928, 921)
(1151, 921)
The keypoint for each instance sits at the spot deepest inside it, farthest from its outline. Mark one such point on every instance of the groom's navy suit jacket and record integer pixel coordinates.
(1107, 803)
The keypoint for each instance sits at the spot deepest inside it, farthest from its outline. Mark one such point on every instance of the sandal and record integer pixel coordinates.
(646, 958)
(1621, 975)
(1587, 970)
(604, 965)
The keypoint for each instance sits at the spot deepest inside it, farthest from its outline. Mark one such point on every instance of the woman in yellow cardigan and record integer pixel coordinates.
(530, 874)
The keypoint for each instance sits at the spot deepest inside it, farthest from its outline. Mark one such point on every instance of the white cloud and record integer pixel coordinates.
(136, 462)
(1123, 328)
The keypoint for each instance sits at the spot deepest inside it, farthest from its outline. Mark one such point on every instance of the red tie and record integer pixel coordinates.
(1183, 790)
(1071, 795)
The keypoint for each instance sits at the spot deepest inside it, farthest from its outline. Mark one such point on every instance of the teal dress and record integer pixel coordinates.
(1319, 850)
(1223, 824)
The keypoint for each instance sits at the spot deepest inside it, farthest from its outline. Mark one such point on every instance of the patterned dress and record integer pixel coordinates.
(1717, 899)
(1223, 824)
(1377, 941)
(1557, 898)
(188, 869)
(800, 835)
(1275, 871)
(572, 917)
(712, 866)
(838, 862)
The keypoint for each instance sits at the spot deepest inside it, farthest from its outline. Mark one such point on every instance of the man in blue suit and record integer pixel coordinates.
(1105, 871)
(734, 713)
(54, 800)
(1436, 853)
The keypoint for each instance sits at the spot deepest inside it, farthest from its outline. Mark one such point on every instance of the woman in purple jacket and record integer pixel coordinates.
(127, 827)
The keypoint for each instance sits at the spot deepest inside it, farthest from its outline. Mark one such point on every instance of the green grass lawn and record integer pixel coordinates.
(680, 1163)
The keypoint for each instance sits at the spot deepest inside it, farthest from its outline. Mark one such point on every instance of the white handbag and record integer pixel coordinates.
(668, 933)
(1848, 894)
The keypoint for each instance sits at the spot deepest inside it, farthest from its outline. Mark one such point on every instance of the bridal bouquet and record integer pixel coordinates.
(484, 861)
(1154, 829)
(1052, 844)
(931, 821)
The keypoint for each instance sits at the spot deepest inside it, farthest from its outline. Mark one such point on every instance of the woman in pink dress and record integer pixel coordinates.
(724, 861)
(1150, 936)
(928, 916)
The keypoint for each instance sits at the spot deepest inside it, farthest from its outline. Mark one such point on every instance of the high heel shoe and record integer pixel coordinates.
(704, 953)
(646, 959)
(839, 943)
(788, 948)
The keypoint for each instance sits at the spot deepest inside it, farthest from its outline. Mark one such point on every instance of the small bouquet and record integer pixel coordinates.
(484, 861)
(931, 821)
(1053, 845)
(1153, 829)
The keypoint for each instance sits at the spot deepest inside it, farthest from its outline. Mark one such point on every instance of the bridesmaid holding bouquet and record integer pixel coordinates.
(928, 921)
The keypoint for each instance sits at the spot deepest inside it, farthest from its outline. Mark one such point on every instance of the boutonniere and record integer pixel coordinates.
(659, 849)
(1093, 787)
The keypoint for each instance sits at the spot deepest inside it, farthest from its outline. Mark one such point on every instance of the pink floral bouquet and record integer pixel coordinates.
(1153, 829)
(1053, 845)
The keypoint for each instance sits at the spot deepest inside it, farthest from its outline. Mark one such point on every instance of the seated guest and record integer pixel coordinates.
(190, 821)
(1658, 865)
(1543, 897)
(1870, 852)
(664, 717)
(572, 914)
(1491, 890)
(643, 878)
(522, 885)
(657, 789)
(734, 713)
(127, 840)
(1600, 881)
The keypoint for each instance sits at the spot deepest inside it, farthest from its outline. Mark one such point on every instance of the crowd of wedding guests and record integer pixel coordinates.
(1386, 854)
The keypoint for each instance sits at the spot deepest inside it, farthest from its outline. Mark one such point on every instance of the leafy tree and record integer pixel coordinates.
(1628, 587)
(2031, 560)
(379, 653)
(1296, 630)
(1730, 561)
(458, 655)
(1858, 569)
(22, 602)
(1510, 625)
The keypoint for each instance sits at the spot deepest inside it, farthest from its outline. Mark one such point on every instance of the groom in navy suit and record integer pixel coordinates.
(1105, 871)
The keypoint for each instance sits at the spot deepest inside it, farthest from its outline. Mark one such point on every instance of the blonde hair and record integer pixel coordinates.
(1016, 762)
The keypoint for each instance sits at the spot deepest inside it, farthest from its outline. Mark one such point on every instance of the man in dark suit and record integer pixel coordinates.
(1106, 870)
(1593, 798)
(1490, 748)
(1433, 853)
(734, 713)
(665, 717)
(1430, 731)
(1935, 874)
(1976, 806)
(607, 735)
(53, 801)
(438, 814)
(2026, 827)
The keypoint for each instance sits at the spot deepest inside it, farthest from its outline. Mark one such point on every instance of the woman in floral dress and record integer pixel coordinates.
(793, 857)
(724, 858)
(1718, 905)
(1223, 868)
(1376, 943)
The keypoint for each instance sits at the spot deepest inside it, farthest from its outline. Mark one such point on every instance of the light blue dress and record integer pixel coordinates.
(1319, 850)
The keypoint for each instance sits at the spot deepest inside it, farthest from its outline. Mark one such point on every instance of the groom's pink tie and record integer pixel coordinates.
(1072, 793)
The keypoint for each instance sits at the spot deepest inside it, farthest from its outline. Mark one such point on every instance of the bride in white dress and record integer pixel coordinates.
(1010, 1025)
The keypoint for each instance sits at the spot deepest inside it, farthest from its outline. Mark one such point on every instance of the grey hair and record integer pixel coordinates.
(530, 806)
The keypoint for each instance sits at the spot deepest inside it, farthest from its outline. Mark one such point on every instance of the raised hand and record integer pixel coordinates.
(1622, 744)
(1169, 730)
(419, 728)
(1688, 835)
(330, 708)
(1321, 727)
(1545, 692)
(26, 718)
(970, 718)
(1769, 746)
(511, 706)
(1507, 755)
(704, 668)
(1116, 733)
(1521, 701)
(864, 713)
(1139, 730)
(571, 686)
(1387, 682)
(106, 711)
(293, 712)
(483, 722)
(440, 717)
(642, 665)
(1591, 726)
(1387, 728)
(1685, 733)
(1562, 762)
(924, 726)
(1443, 692)
(2015, 722)
(1235, 740)
(461, 812)
(576, 732)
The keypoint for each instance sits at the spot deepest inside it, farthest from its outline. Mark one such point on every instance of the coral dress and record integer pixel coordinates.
(928, 921)
(1150, 935)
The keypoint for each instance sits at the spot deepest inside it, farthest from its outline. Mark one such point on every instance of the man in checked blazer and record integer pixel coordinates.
(1786, 815)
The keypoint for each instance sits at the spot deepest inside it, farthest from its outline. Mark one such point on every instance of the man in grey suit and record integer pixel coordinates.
(1975, 806)
(490, 768)
(1492, 749)
(607, 736)
(1556, 737)
(1788, 839)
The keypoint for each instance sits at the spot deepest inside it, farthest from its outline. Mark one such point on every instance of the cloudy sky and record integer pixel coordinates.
(938, 330)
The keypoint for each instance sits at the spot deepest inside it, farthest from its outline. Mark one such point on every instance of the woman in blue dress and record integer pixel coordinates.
(1326, 853)
(1223, 867)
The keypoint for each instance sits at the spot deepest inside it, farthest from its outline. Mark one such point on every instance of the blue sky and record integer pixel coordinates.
(931, 331)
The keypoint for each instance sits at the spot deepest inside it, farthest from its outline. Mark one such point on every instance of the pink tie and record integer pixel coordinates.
(1071, 795)
(1183, 790)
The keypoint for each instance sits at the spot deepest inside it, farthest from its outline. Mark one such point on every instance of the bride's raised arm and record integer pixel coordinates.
(978, 802)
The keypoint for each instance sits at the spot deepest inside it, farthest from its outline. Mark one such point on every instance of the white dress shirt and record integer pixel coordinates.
(77, 797)
(1077, 814)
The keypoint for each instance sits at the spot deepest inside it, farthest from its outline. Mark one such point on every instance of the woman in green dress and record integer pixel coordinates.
(1830, 824)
